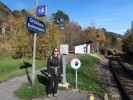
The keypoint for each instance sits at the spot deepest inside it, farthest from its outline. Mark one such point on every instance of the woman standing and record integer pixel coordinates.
(54, 67)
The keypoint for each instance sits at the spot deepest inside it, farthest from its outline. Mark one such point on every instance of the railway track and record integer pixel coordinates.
(123, 77)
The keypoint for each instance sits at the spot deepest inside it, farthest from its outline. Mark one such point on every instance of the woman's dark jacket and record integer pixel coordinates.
(54, 65)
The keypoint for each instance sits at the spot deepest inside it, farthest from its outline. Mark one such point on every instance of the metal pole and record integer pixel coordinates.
(34, 51)
(34, 61)
(37, 2)
(76, 78)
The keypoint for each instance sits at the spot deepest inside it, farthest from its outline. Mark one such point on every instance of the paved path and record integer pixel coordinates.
(69, 95)
(7, 88)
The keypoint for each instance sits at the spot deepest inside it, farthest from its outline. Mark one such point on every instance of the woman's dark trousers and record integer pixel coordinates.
(53, 84)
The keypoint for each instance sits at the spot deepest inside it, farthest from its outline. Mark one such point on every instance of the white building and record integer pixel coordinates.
(82, 49)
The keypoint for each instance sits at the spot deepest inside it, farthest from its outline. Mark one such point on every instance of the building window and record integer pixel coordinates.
(85, 50)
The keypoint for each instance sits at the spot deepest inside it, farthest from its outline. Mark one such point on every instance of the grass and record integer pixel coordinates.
(88, 80)
(25, 92)
(10, 67)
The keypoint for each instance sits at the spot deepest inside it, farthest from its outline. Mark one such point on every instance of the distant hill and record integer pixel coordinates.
(22, 13)
(5, 12)
(115, 35)
(2, 5)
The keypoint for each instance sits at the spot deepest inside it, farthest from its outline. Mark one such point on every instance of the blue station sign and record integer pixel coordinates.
(41, 10)
(35, 26)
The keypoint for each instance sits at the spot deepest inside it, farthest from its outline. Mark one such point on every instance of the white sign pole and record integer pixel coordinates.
(64, 57)
(34, 59)
(75, 64)
(64, 51)
(34, 52)
(76, 79)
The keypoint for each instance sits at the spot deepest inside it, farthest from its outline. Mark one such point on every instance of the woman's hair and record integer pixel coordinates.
(55, 49)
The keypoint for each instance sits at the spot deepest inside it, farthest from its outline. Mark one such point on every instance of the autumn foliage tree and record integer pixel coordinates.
(59, 30)
(21, 39)
(73, 34)
(49, 40)
(96, 35)
(128, 46)
(60, 16)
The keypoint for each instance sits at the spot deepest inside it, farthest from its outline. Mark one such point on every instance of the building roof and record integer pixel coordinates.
(87, 42)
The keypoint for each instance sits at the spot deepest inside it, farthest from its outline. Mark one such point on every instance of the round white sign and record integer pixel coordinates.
(75, 63)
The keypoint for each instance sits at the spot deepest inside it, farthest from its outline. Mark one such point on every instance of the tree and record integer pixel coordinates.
(49, 40)
(119, 44)
(21, 39)
(60, 18)
(128, 45)
(73, 34)
(95, 35)
(113, 40)
(55, 35)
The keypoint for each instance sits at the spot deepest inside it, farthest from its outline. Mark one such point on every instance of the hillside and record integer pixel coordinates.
(5, 12)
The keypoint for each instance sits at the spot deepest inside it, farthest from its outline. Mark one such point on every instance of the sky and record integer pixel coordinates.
(114, 15)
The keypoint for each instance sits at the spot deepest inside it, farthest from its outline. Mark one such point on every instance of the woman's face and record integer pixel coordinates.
(56, 52)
